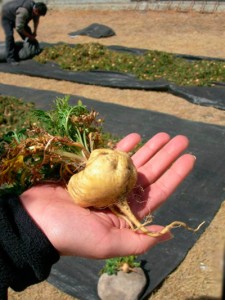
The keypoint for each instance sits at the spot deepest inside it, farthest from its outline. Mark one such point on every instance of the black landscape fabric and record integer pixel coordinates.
(206, 96)
(94, 30)
(196, 200)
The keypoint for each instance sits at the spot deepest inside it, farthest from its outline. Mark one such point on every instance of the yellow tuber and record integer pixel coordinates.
(109, 176)
(107, 179)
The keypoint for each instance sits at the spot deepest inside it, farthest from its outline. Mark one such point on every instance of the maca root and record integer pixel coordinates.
(106, 181)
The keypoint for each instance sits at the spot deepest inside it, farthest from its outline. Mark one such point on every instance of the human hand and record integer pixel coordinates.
(31, 37)
(90, 233)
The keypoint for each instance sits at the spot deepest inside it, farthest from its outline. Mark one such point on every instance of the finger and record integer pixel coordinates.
(162, 160)
(165, 186)
(125, 242)
(150, 148)
(128, 142)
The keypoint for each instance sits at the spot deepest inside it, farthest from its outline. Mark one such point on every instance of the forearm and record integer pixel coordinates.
(26, 34)
(26, 255)
(36, 23)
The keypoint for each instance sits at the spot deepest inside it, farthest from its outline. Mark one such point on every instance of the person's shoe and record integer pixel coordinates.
(12, 62)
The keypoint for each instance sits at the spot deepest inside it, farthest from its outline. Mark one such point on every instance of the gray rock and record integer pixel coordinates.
(123, 286)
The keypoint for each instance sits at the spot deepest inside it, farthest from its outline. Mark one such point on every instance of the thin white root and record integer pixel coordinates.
(172, 225)
(143, 225)
(126, 214)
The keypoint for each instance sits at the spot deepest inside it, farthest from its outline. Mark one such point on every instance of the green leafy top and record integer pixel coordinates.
(54, 147)
(75, 122)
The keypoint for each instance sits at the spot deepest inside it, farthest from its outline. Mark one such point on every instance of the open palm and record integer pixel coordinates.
(77, 231)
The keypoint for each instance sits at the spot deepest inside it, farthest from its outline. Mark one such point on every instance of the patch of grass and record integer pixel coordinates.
(152, 65)
(14, 113)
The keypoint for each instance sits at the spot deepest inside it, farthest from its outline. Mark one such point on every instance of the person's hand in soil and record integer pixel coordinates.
(77, 231)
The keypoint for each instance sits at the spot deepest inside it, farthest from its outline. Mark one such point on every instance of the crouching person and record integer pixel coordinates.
(17, 14)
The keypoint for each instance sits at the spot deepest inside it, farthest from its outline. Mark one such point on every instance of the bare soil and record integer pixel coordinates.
(200, 274)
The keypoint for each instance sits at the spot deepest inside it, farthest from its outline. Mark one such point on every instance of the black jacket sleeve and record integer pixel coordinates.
(26, 255)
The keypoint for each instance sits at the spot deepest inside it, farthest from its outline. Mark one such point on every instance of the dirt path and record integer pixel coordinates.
(187, 33)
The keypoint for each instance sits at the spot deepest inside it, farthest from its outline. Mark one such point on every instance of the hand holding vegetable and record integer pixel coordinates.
(85, 232)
